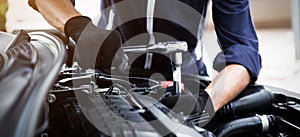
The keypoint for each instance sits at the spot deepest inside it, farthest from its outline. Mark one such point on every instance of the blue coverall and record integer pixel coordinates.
(185, 20)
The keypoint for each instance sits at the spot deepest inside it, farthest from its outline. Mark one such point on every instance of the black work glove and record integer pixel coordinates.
(188, 103)
(95, 48)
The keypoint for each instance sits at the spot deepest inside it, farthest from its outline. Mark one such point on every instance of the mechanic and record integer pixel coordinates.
(233, 25)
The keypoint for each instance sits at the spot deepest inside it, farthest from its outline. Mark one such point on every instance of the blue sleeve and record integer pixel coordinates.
(237, 36)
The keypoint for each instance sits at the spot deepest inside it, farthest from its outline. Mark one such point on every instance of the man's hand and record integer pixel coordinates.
(229, 83)
(96, 48)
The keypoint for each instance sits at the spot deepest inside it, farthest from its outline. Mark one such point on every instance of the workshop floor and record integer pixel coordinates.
(280, 68)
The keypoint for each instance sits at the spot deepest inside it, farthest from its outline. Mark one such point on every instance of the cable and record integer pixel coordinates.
(125, 77)
(116, 79)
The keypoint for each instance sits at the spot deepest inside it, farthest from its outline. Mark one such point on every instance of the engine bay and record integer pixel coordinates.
(256, 112)
(88, 102)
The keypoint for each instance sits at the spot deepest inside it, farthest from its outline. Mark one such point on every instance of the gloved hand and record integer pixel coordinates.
(96, 48)
(188, 103)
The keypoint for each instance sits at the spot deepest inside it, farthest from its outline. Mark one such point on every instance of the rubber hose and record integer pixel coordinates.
(249, 125)
(257, 100)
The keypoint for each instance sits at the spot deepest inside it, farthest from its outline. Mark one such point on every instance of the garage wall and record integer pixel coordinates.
(266, 13)
(271, 13)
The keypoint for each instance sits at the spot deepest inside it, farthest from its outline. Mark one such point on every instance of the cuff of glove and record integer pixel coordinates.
(205, 101)
(75, 26)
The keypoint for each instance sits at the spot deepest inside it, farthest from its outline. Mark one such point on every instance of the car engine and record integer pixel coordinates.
(56, 97)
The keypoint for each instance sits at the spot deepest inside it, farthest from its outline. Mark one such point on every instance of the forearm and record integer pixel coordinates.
(56, 12)
(228, 84)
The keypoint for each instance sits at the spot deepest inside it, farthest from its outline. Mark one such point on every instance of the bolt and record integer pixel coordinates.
(51, 98)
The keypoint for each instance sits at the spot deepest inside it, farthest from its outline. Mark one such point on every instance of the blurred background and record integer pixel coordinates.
(276, 22)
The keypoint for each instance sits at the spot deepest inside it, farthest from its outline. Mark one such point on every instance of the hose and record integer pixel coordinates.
(255, 99)
(249, 125)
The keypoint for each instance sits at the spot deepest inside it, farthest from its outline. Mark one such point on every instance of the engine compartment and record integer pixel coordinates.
(87, 102)
(256, 112)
